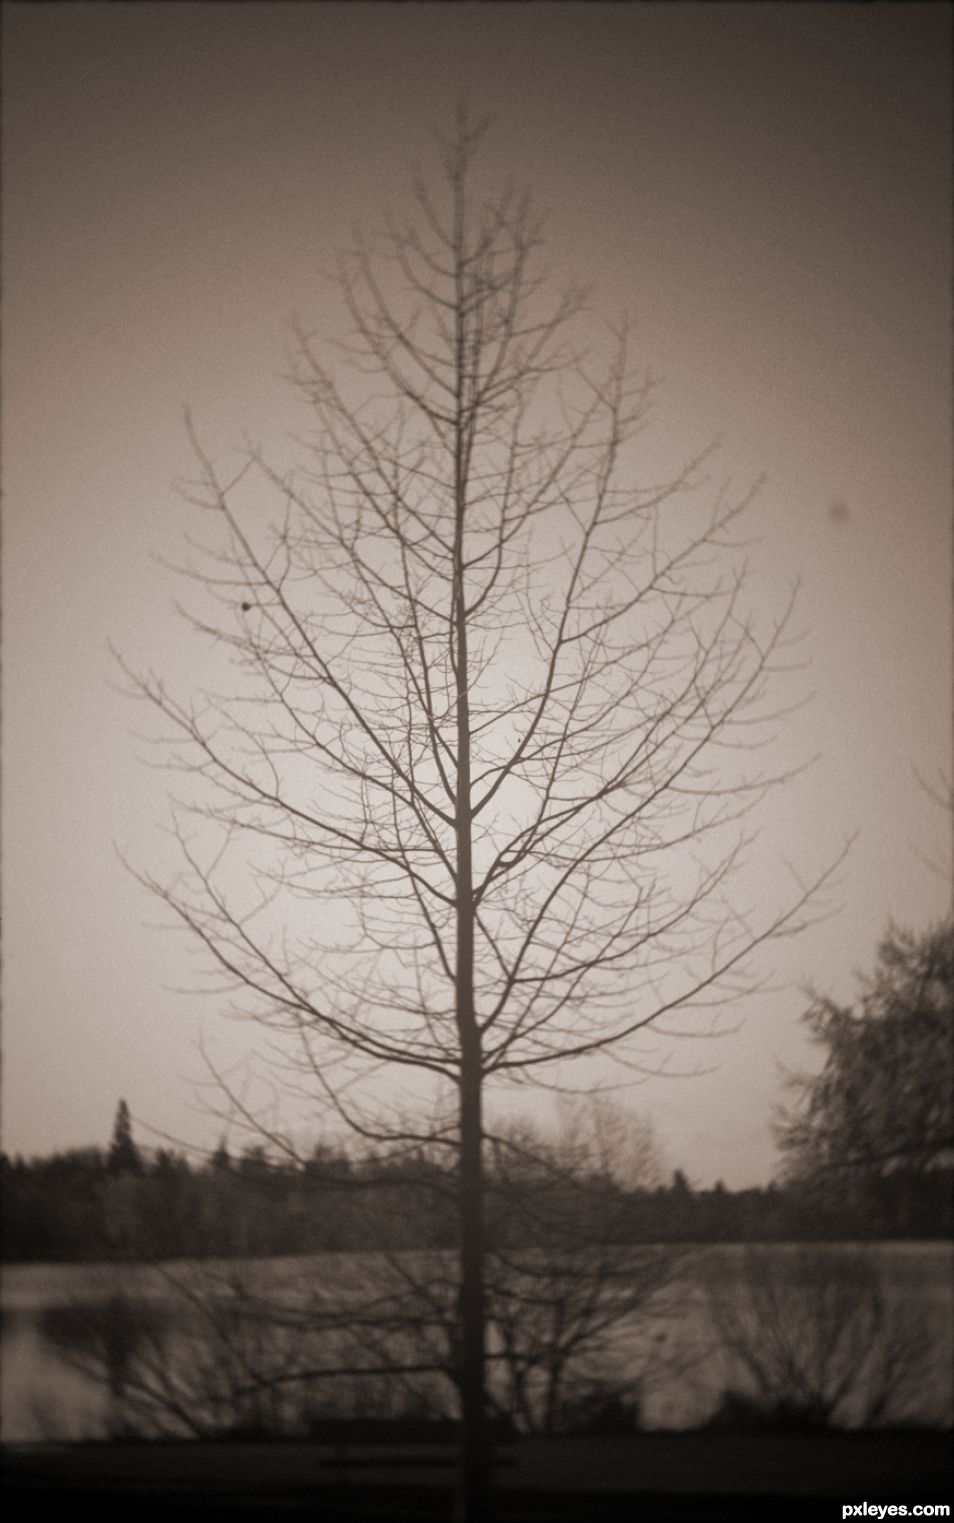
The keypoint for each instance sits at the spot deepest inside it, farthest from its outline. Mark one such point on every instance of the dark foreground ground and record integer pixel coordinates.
(670, 1476)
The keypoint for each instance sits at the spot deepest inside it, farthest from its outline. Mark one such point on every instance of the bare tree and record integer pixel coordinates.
(818, 1339)
(210, 1351)
(466, 812)
(569, 1301)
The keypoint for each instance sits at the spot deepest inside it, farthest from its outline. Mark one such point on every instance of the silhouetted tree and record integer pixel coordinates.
(561, 1293)
(483, 683)
(818, 1340)
(123, 1156)
(878, 1116)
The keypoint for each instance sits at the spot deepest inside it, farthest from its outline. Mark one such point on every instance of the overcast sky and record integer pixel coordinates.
(765, 189)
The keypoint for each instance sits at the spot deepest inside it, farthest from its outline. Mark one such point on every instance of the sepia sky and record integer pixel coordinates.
(764, 189)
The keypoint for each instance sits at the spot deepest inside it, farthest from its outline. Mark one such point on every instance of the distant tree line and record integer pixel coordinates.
(867, 1147)
(124, 1203)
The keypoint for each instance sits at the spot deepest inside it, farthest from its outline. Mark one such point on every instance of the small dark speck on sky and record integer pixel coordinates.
(839, 511)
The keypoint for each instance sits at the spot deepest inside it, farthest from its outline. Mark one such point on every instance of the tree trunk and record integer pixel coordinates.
(474, 1477)
(474, 1480)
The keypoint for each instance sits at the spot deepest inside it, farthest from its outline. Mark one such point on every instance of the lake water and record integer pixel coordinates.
(73, 1361)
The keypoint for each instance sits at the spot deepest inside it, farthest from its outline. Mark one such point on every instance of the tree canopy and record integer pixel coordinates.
(882, 1101)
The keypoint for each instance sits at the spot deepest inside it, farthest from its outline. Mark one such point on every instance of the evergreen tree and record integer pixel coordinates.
(124, 1156)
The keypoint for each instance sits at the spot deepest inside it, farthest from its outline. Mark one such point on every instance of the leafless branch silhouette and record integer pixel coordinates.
(478, 803)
